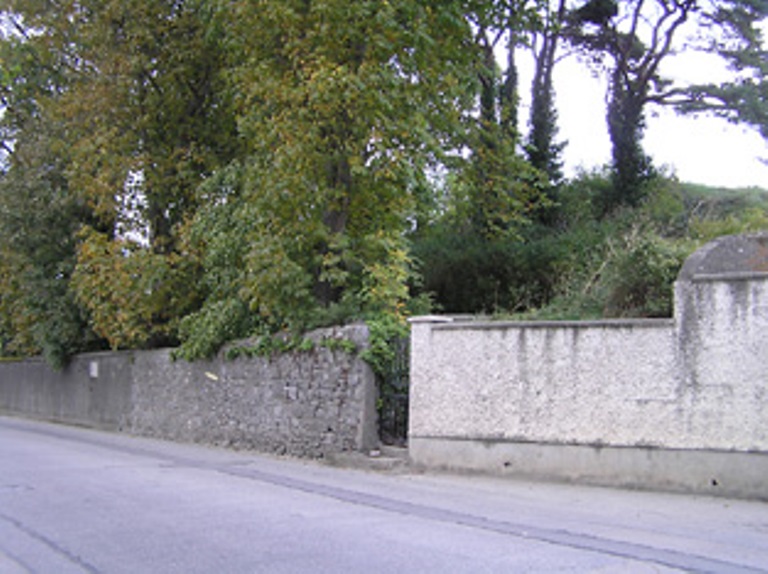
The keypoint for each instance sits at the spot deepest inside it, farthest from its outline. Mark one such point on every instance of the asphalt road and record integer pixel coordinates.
(75, 500)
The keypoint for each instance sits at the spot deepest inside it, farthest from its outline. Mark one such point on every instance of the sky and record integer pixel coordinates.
(698, 149)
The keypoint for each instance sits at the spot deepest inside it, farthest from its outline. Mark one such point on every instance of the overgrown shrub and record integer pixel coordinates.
(467, 273)
(621, 264)
(585, 263)
(639, 281)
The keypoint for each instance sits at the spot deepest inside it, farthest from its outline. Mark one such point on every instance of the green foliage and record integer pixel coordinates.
(624, 264)
(38, 221)
(641, 275)
(630, 276)
(582, 199)
(543, 151)
(339, 344)
(631, 167)
(216, 239)
(134, 296)
(269, 345)
(383, 333)
(38, 214)
(199, 172)
(705, 202)
(497, 192)
(353, 91)
(204, 332)
(751, 220)
(744, 99)
(470, 274)
(126, 101)
(586, 261)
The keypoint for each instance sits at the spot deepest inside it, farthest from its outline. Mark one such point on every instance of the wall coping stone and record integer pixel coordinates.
(430, 319)
(448, 324)
(729, 277)
(727, 256)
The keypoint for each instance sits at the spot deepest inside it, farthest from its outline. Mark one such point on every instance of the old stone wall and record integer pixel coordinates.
(679, 403)
(310, 403)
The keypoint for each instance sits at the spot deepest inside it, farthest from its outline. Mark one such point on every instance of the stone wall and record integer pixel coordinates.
(309, 403)
(680, 404)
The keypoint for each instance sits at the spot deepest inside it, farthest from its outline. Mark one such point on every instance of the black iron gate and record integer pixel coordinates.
(393, 396)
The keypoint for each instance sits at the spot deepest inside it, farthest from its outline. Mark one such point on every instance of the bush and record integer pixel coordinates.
(466, 273)
(204, 332)
(639, 281)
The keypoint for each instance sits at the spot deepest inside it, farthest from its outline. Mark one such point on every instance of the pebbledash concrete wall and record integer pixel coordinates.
(679, 404)
(311, 403)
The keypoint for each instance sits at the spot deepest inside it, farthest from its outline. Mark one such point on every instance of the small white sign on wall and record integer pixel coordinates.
(93, 369)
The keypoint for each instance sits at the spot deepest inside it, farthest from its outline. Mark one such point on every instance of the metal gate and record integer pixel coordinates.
(393, 397)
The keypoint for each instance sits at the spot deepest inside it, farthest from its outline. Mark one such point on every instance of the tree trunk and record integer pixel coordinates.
(508, 94)
(631, 167)
(543, 152)
(335, 219)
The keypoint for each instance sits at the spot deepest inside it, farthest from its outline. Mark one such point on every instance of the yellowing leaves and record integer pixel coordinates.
(128, 289)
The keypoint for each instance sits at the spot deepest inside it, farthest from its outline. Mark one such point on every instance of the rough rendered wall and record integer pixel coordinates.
(722, 345)
(679, 404)
(606, 383)
(305, 403)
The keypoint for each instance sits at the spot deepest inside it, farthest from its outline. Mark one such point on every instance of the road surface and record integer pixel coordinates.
(81, 501)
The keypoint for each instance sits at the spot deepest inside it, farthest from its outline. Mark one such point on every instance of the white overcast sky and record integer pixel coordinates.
(698, 149)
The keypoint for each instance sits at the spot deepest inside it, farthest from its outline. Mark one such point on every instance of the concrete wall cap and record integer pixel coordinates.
(731, 277)
(580, 324)
(729, 255)
(430, 319)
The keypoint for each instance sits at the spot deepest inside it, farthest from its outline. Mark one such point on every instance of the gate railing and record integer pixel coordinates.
(393, 396)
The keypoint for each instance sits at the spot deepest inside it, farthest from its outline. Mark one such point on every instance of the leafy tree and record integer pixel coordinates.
(472, 256)
(544, 152)
(498, 186)
(38, 213)
(136, 95)
(146, 118)
(472, 274)
(200, 170)
(38, 221)
(637, 36)
(342, 106)
(218, 236)
(741, 45)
